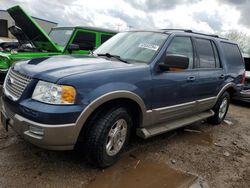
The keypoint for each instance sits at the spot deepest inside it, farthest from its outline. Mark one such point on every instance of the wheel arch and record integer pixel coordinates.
(230, 88)
(125, 98)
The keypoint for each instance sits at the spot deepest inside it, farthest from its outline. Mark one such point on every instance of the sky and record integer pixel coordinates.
(210, 16)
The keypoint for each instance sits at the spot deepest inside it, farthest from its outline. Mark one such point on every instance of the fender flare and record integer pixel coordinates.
(85, 114)
(229, 85)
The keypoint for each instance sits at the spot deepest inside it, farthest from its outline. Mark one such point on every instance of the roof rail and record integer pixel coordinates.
(190, 31)
(210, 35)
(184, 30)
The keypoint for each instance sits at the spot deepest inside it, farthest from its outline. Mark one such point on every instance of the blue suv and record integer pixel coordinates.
(143, 82)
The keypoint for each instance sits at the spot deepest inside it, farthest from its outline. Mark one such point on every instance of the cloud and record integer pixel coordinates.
(63, 12)
(243, 6)
(156, 5)
(238, 2)
(137, 22)
(214, 21)
(55, 10)
(211, 16)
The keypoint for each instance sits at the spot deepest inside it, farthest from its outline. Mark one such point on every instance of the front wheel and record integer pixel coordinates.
(220, 109)
(108, 136)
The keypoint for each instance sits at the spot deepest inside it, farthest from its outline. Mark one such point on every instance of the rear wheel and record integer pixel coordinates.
(108, 136)
(220, 109)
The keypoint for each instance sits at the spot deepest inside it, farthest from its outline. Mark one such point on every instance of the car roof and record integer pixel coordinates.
(188, 32)
(89, 28)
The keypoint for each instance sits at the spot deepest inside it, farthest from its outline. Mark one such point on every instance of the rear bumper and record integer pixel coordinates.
(52, 137)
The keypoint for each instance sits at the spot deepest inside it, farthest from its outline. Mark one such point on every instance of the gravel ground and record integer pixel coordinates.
(200, 155)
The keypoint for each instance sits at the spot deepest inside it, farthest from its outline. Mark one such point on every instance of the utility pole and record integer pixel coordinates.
(118, 26)
(130, 27)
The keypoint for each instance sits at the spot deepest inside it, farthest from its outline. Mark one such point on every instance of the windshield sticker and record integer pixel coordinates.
(149, 46)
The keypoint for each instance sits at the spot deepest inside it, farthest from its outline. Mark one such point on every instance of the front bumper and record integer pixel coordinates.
(52, 137)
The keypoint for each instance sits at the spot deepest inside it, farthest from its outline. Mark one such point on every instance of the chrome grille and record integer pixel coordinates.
(15, 83)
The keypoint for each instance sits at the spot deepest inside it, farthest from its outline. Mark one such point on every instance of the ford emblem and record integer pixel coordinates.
(10, 81)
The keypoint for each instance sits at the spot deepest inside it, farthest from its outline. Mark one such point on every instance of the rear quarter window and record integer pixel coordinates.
(232, 55)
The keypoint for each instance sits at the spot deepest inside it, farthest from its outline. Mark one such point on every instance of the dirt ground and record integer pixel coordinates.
(200, 155)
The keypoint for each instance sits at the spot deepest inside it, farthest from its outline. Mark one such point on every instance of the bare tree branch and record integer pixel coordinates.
(242, 39)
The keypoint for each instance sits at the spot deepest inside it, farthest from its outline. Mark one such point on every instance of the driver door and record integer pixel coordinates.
(174, 91)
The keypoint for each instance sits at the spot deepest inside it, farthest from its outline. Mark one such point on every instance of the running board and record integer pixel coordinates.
(147, 132)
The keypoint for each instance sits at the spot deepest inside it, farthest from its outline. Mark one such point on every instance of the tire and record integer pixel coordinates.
(108, 136)
(220, 109)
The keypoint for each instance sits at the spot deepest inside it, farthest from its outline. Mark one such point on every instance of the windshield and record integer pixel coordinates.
(61, 36)
(133, 46)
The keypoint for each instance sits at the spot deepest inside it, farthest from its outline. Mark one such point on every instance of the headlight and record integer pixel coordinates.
(54, 94)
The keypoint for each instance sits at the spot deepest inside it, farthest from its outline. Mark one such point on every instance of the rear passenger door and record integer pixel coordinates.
(211, 74)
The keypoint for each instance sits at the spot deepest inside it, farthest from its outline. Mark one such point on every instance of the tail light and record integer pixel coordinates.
(243, 77)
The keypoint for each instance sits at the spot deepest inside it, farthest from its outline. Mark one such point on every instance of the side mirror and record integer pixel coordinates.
(175, 61)
(73, 47)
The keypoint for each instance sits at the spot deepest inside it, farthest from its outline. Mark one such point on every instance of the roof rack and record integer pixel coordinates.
(184, 30)
(190, 31)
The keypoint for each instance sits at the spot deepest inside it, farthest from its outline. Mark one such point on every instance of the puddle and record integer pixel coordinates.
(201, 138)
(141, 173)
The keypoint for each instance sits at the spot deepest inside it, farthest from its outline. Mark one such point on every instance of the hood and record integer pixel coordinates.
(54, 68)
(31, 30)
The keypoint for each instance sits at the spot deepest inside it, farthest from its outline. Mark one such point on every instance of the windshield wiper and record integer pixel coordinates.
(91, 52)
(113, 56)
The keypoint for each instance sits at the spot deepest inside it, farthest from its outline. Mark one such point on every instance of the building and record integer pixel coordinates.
(6, 21)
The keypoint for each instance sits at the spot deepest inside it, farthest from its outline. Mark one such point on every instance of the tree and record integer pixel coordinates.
(242, 39)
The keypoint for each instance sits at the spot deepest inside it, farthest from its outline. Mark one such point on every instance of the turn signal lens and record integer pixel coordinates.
(68, 94)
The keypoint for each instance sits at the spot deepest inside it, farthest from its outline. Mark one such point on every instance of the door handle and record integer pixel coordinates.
(222, 76)
(191, 78)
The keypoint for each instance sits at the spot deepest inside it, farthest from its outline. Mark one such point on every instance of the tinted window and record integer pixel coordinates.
(232, 54)
(182, 46)
(3, 28)
(85, 40)
(205, 53)
(104, 38)
(61, 36)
